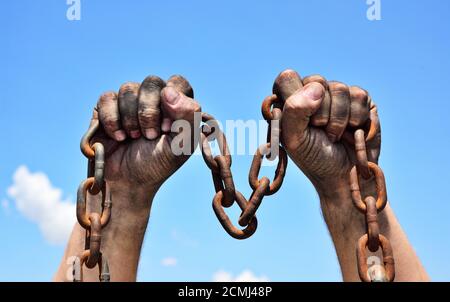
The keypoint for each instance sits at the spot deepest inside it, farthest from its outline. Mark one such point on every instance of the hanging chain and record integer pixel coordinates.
(220, 167)
(370, 207)
(226, 194)
(93, 222)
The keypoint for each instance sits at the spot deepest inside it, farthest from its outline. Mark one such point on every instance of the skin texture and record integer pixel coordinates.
(316, 113)
(136, 123)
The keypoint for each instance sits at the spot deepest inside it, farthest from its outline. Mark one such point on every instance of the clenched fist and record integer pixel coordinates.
(136, 125)
(136, 131)
(316, 115)
(318, 122)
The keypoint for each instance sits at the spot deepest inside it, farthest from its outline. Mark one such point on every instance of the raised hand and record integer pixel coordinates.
(316, 115)
(136, 124)
(136, 131)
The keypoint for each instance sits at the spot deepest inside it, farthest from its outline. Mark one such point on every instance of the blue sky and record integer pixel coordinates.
(53, 71)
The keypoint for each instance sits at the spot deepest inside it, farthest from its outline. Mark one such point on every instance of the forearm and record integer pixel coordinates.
(121, 239)
(346, 225)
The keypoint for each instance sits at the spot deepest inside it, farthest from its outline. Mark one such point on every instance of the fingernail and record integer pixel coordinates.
(135, 134)
(313, 91)
(172, 96)
(120, 135)
(151, 133)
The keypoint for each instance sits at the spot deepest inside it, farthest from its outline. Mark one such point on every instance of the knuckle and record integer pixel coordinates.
(111, 123)
(356, 121)
(287, 73)
(130, 126)
(153, 83)
(181, 84)
(316, 78)
(178, 79)
(130, 123)
(319, 120)
(106, 97)
(359, 94)
(128, 87)
(293, 104)
(338, 88)
(338, 122)
(148, 112)
(286, 83)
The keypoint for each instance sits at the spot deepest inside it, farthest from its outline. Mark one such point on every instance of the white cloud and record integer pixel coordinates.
(169, 261)
(244, 276)
(37, 199)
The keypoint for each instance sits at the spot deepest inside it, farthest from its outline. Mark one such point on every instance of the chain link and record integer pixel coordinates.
(93, 222)
(226, 194)
(220, 167)
(370, 207)
(104, 275)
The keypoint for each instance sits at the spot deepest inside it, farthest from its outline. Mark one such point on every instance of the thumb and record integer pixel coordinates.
(180, 113)
(177, 106)
(298, 109)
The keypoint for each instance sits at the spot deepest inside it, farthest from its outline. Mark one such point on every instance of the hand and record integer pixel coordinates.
(135, 131)
(315, 116)
(136, 124)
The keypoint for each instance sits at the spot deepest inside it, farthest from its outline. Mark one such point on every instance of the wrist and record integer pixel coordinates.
(130, 201)
(346, 225)
(122, 237)
(339, 210)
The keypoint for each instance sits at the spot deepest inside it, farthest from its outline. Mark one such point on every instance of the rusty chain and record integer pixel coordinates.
(93, 222)
(226, 193)
(370, 207)
(220, 167)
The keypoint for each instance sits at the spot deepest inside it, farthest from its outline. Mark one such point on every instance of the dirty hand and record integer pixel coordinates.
(315, 116)
(136, 124)
(136, 131)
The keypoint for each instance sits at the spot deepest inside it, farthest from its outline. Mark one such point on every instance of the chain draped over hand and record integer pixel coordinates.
(226, 194)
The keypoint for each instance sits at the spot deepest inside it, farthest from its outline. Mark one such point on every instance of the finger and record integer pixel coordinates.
(298, 110)
(176, 105)
(181, 85)
(177, 102)
(286, 84)
(149, 114)
(108, 113)
(322, 115)
(359, 106)
(339, 110)
(128, 109)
